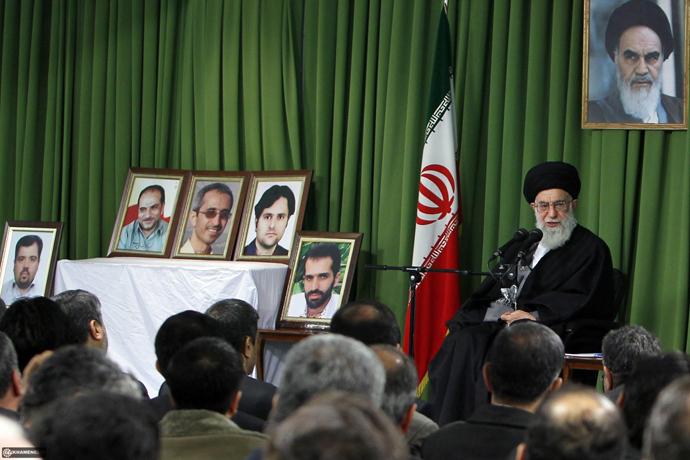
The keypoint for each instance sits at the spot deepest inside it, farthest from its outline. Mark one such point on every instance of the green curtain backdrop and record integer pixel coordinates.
(90, 88)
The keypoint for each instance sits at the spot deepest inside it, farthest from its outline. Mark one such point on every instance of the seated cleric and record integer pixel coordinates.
(567, 275)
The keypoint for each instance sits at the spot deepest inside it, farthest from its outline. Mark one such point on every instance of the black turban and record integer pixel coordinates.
(638, 13)
(552, 174)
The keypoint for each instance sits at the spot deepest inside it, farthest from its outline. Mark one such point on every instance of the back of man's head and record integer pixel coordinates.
(97, 425)
(181, 329)
(524, 361)
(621, 348)
(73, 370)
(205, 374)
(8, 363)
(649, 376)
(239, 319)
(35, 325)
(368, 321)
(337, 426)
(401, 381)
(328, 362)
(575, 423)
(667, 435)
(82, 308)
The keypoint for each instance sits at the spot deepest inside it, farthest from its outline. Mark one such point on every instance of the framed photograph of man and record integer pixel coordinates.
(149, 211)
(635, 64)
(29, 256)
(272, 215)
(319, 279)
(212, 215)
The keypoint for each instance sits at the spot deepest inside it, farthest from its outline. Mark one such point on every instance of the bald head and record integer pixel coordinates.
(576, 423)
(368, 321)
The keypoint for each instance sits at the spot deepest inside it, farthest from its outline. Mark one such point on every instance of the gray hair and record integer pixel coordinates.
(401, 381)
(328, 362)
(622, 347)
(8, 362)
(667, 434)
(81, 307)
(72, 370)
(217, 186)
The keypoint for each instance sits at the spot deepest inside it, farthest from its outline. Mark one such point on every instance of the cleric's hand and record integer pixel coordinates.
(516, 315)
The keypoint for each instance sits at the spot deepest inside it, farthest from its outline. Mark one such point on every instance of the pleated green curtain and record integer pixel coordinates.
(90, 88)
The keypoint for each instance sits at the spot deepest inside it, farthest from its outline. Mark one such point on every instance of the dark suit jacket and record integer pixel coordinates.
(252, 413)
(491, 432)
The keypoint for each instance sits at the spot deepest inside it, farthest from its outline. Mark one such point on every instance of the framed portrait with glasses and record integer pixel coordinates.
(212, 213)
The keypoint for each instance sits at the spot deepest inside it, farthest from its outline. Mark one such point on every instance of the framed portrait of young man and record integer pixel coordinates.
(29, 256)
(635, 64)
(212, 214)
(272, 216)
(319, 279)
(149, 212)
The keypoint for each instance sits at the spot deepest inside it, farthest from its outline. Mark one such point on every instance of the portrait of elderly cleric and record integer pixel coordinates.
(148, 212)
(209, 228)
(636, 64)
(567, 275)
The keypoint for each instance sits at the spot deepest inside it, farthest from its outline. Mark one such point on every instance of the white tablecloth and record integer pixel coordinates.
(138, 294)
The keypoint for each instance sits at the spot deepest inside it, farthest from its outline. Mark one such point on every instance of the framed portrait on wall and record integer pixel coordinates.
(212, 214)
(273, 214)
(319, 279)
(635, 64)
(149, 212)
(29, 256)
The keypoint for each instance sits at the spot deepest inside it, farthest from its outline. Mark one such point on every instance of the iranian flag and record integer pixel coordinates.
(439, 216)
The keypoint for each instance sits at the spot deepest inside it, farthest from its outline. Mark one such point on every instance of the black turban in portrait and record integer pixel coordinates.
(552, 174)
(638, 13)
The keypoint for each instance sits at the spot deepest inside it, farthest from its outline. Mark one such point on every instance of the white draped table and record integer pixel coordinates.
(138, 294)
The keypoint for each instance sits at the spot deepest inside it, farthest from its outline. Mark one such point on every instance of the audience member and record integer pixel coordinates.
(97, 424)
(71, 371)
(575, 423)
(667, 435)
(35, 325)
(240, 324)
(399, 396)
(176, 332)
(86, 322)
(204, 379)
(327, 362)
(374, 323)
(620, 349)
(337, 426)
(523, 365)
(10, 379)
(649, 376)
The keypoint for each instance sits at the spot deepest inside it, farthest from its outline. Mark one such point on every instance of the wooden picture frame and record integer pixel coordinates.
(129, 237)
(198, 232)
(311, 262)
(618, 82)
(272, 193)
(32, 249)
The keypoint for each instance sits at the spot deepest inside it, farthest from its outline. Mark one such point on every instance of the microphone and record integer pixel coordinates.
(534, 236)
(520, 235)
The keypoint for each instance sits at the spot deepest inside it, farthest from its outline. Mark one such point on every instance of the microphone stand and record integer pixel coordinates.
(415, 276)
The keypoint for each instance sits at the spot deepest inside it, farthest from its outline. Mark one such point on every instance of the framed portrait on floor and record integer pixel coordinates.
(149, 212)
(29, 257)
(635, 64)
(272, 216)
(212, 214)
(319, 279)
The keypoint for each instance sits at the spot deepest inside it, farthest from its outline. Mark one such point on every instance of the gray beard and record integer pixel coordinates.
(641, 103)
(556, 237)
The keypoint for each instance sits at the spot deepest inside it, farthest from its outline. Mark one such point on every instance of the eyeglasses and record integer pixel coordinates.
(212, 213)
(559, 206)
